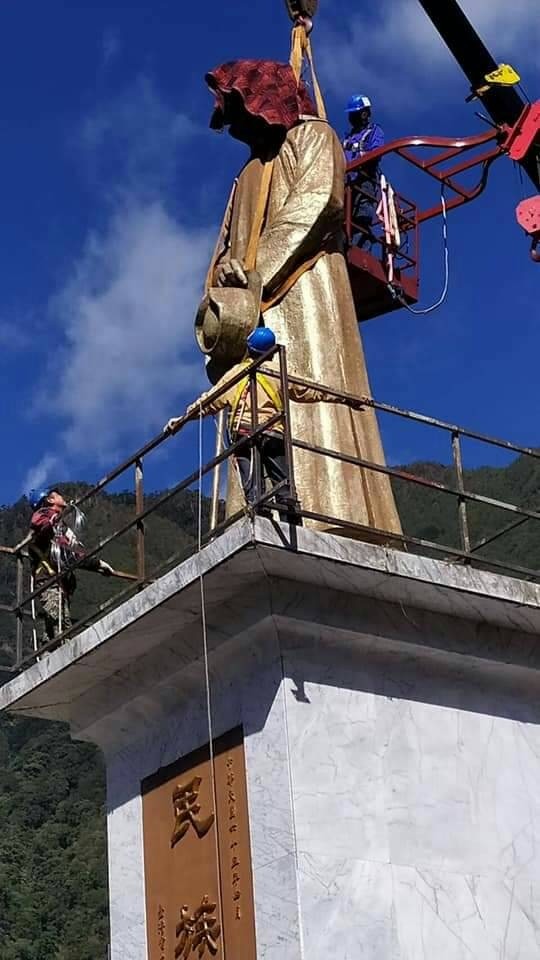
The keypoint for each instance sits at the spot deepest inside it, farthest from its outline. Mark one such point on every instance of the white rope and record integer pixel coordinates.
(435, 306)
(207, 668)
(33, 612)
(386, 212)
(60, 596)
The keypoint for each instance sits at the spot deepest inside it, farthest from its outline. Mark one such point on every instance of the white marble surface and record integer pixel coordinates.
(356, 909)
(418, 823)
(272, 826)
(394, 803)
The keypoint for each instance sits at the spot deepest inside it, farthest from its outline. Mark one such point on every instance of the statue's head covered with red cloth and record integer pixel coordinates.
(257, 90)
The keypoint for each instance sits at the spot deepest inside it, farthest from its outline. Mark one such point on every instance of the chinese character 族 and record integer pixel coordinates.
(207, 929)
(199, 932)
(186, 810)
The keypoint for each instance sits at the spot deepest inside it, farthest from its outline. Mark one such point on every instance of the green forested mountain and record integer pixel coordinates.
(53, 897)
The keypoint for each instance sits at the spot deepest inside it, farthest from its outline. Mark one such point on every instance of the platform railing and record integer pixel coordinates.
(275, 501)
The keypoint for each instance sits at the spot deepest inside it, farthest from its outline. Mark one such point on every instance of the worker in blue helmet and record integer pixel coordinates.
(363, 137)
(270, 444)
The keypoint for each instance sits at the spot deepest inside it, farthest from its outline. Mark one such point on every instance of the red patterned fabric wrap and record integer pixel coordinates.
(268, 89)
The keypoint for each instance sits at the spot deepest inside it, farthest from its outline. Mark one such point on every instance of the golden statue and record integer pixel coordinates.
(280, 255)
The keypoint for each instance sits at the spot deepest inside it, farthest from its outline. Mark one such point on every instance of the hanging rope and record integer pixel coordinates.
(300, 49)
(396, 293)
(207, 667)
(387, 213)
(34, 613)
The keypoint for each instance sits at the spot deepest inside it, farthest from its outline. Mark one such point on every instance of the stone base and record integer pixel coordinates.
(391, 715)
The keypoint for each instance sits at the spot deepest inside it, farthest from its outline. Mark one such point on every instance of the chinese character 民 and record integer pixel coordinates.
(200, 932)
(186, 808)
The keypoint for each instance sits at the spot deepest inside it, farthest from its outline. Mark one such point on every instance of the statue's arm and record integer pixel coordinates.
(313, 211)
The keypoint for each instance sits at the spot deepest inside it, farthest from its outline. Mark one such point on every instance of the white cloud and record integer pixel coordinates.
(132, 142)
(127, 319)
(509, 29)
(398, 58)
(37, 476)
(126, 357)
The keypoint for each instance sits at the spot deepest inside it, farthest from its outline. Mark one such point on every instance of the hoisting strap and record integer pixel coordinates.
(289, 283)
(300, 47)
(258, 218)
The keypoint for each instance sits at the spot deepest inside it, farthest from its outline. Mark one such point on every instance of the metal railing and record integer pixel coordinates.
(280, 497)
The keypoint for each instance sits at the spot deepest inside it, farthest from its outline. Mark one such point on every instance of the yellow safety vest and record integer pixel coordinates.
(270, 390)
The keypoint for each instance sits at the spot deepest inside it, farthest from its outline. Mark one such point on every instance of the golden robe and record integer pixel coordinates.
(315, 321)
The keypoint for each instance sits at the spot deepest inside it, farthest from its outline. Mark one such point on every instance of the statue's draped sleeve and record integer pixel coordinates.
(313, 207)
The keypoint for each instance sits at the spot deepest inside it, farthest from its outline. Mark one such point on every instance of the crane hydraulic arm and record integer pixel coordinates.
(504, 104)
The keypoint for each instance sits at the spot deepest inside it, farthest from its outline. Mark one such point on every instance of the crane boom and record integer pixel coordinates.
(505, 105)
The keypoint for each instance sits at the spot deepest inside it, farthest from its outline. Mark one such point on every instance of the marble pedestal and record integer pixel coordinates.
(391, 715)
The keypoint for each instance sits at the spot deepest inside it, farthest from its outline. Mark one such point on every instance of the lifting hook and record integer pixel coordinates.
(302, 10)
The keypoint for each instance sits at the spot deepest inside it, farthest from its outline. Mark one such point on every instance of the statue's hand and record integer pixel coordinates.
(231, 273)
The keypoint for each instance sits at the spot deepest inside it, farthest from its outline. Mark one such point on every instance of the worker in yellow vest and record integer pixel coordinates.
(270, 444)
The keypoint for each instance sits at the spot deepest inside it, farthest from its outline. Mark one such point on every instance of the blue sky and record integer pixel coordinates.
(113, 188)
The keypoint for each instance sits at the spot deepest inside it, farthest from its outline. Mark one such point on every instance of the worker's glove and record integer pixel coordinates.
(231, 273)
(105, 568)
(173, 425)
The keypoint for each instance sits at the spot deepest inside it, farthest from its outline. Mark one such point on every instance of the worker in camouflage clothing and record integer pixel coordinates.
(54, 549)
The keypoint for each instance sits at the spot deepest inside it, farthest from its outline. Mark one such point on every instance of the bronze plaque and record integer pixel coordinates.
(197, 859)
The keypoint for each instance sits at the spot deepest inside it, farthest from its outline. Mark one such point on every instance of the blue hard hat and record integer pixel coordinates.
(358, 102)
(260, 340)
(35, 497)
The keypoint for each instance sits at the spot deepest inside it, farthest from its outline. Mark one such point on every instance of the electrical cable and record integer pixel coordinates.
(435, 306)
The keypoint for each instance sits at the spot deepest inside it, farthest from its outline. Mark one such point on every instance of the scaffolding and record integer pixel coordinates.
(469, 552)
